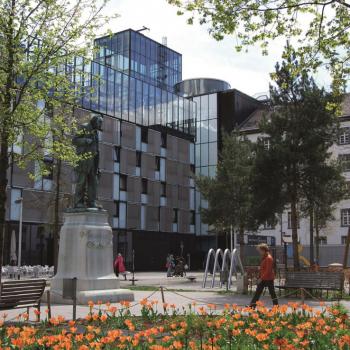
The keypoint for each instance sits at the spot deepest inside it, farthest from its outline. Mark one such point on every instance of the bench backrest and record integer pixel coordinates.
(326, 280)
(23, 292)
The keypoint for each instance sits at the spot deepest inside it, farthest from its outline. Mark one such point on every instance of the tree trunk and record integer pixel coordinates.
(7, 116)
(317, 242)
(56, 221)
(241, 245)
(4, 165)
(312, 258)
(294, 222)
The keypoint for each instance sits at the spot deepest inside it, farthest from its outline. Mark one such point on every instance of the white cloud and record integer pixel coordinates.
(202, 55)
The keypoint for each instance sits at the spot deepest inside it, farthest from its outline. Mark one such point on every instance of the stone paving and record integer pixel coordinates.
(178, 291)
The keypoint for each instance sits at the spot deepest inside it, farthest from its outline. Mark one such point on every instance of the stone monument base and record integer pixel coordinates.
(86, 253)
(83, 297)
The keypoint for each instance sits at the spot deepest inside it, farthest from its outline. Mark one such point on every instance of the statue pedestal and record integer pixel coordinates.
(86, 252)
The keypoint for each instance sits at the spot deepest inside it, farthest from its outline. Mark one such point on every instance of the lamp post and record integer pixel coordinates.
(133, 268)
(19, 259)
(182, 248)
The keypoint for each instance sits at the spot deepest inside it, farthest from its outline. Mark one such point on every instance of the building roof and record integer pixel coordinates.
(253, 121)
(251, 124)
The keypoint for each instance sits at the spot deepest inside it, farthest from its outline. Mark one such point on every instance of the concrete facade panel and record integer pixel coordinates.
(128, 135)
(152, 216)
(134, 189)
(148, 166)
(133, 216)
(105, 188)
(154, 141)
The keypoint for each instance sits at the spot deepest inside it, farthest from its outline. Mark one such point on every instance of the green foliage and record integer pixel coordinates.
(318, 28)
(39, 42)
(301, 126)
(229, 194)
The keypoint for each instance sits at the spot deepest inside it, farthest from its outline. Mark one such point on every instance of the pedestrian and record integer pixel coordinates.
(119, 266)
(170, 264)
(266, 276)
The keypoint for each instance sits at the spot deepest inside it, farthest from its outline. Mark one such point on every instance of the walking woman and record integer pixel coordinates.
(119, 266)
(266, 276)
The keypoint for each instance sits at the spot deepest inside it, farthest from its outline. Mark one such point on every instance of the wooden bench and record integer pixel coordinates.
(21, 294)
(314, 280)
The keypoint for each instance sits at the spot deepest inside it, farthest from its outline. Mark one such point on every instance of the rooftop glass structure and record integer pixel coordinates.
(116, 83)
(140, 57)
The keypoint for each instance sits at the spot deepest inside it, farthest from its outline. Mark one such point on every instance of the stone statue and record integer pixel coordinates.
(87, 170)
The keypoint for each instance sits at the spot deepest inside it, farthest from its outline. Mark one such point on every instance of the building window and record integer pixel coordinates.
(290, 221)
(267, 143)
(344, 239)
(48, 168)
(175, 215)
(116, 213)
(322, 240)
(117, 154)
(347, 189)
(144, 135)
(344, 137)
(193, 217)
(138, 159)
(157, 163)
(345, 217)
(144, 186)
(108, 60)
(123, 180)
(345, 161)
(163, 189)
(163, 140)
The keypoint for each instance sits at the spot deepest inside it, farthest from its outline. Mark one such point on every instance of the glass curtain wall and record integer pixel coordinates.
(141, 57)
(108, 91)
(206, 147)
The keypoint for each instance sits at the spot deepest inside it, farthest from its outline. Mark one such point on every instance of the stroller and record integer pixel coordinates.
(180, 270)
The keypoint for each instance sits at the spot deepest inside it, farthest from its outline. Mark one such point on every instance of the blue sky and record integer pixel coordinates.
(202, 55)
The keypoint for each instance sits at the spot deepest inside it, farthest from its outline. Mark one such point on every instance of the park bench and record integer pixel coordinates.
(300, 280)
(21, 294)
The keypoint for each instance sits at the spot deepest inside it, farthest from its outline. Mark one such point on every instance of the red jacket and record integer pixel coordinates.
(266, 268)
(119, 264)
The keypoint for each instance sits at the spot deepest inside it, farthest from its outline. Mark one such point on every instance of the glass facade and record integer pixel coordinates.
(140, 57)
(111, 92)
(207, 134)
(206, 147)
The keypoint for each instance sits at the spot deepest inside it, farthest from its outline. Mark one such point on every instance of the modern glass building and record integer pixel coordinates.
(146, 156)
(140, 57)
(219, 109)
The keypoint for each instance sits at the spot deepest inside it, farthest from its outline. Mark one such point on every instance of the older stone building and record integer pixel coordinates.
(336, 230)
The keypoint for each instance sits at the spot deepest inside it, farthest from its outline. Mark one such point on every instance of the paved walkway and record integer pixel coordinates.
(178, 291)
(156, 279)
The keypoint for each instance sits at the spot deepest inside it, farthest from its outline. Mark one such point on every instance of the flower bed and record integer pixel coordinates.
(291, 326)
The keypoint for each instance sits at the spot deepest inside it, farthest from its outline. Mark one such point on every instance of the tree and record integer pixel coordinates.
(325, 205)
(301, 127)
(39, 41)
(320, 27)
(324, 186)
(229, 194)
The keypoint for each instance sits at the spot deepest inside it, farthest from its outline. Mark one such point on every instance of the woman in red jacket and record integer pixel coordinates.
(119, 266)
(266, 276)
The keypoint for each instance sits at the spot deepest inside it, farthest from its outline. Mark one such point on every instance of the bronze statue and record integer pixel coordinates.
(87, 170)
